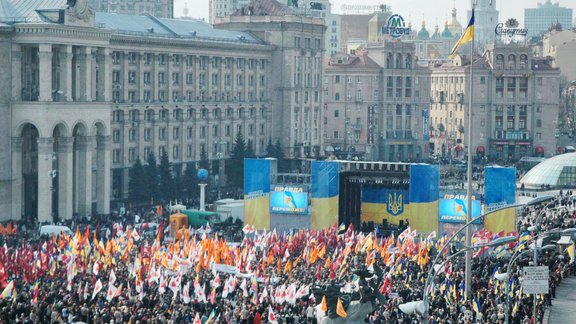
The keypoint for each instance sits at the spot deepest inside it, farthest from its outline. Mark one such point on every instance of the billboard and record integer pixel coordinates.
(454, 210)
(288, 200)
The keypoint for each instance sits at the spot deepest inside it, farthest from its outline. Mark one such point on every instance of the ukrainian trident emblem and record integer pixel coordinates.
(395, 205)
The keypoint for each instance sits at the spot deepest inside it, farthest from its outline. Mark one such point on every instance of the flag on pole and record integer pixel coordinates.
(97, 288)
(340, 309)
(271, 316)
(324, 304)
(570, 251)
(466, 37)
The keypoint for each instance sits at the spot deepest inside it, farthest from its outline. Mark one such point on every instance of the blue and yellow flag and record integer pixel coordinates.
(466, 37)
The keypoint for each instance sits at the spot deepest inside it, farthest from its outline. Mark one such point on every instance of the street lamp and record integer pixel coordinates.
(421, 306)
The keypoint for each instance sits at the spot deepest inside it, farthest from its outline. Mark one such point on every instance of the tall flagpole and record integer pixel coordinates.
(468, 279)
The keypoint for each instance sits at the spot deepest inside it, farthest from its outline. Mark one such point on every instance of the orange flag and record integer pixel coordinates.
(327, 263)
(324, 304)
(340, 309)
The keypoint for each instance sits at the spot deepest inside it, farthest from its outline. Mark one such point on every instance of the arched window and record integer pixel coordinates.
(398, 61)
(523, 61)
(408, 61)
(499, 61)
(511, 61)
(389, 61)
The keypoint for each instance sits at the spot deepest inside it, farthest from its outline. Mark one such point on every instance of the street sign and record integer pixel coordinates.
(535, 280)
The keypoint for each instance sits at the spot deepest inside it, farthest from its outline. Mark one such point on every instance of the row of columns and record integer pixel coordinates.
(72, 160)
(76, 66)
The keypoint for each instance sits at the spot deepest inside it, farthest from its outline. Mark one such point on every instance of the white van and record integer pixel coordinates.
(51, 230)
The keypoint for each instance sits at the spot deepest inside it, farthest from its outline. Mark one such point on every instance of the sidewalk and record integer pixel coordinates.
(563, 306)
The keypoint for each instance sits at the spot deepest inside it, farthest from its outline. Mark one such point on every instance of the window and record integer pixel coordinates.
(147, 78)
(116, 156)
(148, 134)
(161, 79)
(132, 134)
(115, 76)
(132, 154)
(337, 96)
(176, 133)
(202, 131)
(297, 42)
(162, 133)
(538, 122)
(116, 136)
(175, 152)
(539, 109)
(482, 80)
(335, 134)
(336, 113)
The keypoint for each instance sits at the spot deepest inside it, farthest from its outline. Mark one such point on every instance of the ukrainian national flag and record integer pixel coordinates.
(466, 37)
(524, 237)
(476, 305)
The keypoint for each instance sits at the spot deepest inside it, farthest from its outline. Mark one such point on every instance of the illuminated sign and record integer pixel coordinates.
(454, 209)
(510, 29)
(395, 27)
(288, 200)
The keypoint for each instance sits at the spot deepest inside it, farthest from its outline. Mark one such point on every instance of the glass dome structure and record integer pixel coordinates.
(556, 172)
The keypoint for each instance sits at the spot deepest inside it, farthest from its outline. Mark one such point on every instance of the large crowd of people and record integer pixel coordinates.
(124, 276)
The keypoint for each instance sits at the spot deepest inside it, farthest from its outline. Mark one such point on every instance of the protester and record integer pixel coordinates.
(122, 276)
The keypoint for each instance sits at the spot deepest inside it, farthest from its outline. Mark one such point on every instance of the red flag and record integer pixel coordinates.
(271, 316)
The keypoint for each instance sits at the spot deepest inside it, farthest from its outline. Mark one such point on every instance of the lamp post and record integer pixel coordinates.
(422, 306)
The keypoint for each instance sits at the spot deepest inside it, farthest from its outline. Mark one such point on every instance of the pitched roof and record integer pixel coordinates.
(264, 8)
(163, 27)
(26, 10)
(352, 61)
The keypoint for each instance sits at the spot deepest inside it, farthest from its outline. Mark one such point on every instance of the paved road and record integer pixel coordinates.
(563, 306)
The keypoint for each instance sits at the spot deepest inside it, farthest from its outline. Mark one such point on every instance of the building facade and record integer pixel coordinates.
(377, 104)
(156, 8)
(515, 105)
(79, 104)
(296, 92)
(561, 46)
(538, 20)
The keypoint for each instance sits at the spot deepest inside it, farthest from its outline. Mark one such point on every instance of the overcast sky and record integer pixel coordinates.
(433, 11)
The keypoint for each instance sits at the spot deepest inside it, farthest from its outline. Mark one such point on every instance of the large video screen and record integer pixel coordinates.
(455, 210)
(288, 200)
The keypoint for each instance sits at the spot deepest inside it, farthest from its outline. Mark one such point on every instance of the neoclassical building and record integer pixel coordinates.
(84, 94)
(515, 104)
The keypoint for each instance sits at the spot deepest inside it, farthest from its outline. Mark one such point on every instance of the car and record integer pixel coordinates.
(54, 230)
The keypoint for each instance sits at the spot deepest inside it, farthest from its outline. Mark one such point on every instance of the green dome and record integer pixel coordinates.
(423, 33)
(446, 33)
